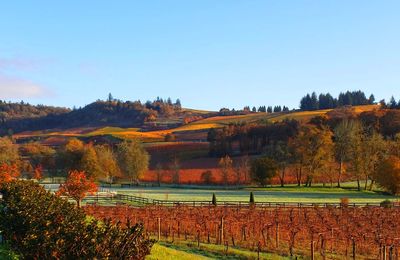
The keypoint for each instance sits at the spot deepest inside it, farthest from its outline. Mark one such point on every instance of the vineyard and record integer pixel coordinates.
(317, 232)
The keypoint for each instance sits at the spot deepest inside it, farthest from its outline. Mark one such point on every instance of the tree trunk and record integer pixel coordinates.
(358, 184)
(78, 203)
(371, 185)
(282, 177)
(299, 171)
(366, 182)
(340, 172)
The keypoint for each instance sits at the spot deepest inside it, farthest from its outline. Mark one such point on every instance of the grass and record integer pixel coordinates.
(184, 250)
(291, 193)
(7, 254)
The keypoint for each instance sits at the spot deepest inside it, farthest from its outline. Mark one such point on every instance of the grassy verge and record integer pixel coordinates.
(191, 251)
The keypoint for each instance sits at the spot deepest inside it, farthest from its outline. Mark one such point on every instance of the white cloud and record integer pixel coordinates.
(18, 88)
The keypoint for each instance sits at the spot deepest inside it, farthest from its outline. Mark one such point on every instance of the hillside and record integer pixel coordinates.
(158, 114)
(193, 131)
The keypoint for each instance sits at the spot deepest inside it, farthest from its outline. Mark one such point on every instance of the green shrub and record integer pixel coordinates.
(40, 225)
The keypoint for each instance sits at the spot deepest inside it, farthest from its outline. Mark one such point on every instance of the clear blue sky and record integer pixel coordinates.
(210, 54)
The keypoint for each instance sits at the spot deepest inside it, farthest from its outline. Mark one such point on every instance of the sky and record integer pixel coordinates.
(208, 53)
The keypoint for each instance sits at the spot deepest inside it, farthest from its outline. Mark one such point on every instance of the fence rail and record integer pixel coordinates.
(113, 198)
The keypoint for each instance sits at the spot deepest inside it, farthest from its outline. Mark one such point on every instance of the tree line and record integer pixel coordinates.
(327, 101)
(127, 159)
(363, 147)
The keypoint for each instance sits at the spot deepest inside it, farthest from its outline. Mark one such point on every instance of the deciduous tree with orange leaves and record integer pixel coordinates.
(388, 174)
(8, 173)
(38, 173)
(77, 186)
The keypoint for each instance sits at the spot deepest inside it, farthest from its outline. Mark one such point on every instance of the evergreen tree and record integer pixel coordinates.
(314, 102)
(110, 98)
(392, 103)
(178, 104)
(371, 99)
(214, 200)
(252, 198)
(269, 109)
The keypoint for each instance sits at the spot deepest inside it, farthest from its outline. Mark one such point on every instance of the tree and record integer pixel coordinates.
(374, 149)
(38, 173)
(39, 155)
(314, 102)
(225, 165)
(77, 186)
(263, 170)
(175, 168)
(159, 170)
(8, 151)
(41, 225)
(371, 99)
(252, 201)
(389, 174)
(241, 169)
(344, 135)
(207, 177)
(71, 155)
(281, 154)
(133, 159)
(89, 162)
(317, 151)
(214, 200)
(110, 98)
(108, 164)
(8, 173)
(178, 104)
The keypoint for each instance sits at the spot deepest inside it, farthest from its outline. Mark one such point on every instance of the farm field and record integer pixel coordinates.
(291, 193)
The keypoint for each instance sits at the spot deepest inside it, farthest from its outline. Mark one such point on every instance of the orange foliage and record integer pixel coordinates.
(76, 186)
(38, 172)
(8, 173)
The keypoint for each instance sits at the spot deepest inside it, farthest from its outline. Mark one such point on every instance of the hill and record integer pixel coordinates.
(107, 124)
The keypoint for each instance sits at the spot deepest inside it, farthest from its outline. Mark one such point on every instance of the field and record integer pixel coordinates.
(332, 232)
(291, 193)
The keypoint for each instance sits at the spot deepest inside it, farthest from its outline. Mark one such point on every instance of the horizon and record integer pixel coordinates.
(209, 55)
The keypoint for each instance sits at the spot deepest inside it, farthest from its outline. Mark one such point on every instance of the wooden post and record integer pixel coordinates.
(277, 235)
(222, 230)
(384, 253)
(159, 229)
(312, 249)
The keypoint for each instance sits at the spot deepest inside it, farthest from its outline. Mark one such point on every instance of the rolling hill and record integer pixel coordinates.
(193, 131)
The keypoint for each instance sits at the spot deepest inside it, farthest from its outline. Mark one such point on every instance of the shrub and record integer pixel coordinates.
(386, 204)
(207, 177)
(344, 202)
(40, 225)
(214, 200)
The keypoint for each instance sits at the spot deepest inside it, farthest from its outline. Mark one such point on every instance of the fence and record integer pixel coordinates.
(113, 198)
